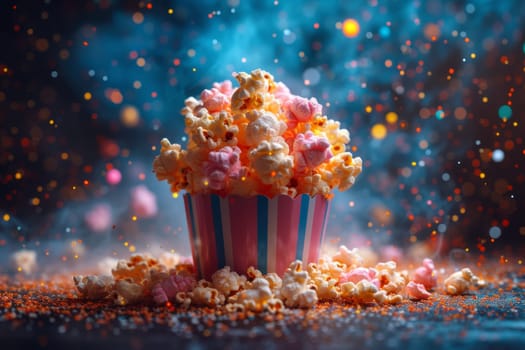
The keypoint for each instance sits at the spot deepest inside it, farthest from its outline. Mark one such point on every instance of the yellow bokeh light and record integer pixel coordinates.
(6, 217)
(87, 96)
(378, 131)
(391, 117)
(350, 28)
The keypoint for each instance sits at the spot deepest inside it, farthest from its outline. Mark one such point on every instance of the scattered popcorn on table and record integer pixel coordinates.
(340, 277)
(296, 290)
(460, 282)
(426, 274)
(417, 291)
(94, 287)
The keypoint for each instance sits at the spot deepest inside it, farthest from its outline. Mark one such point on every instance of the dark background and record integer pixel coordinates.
(448, 177)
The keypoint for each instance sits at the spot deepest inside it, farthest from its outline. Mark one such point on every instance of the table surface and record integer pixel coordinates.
(46, 313)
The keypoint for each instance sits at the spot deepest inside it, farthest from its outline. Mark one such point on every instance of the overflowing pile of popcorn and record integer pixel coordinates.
(257, 139)
(341, 277)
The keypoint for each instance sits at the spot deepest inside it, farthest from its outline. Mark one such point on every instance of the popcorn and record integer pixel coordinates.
(310, 151)
(460, 282)
(257, 297)
(257, 139)
(350, 258)
(206, 296)
(128, 292)
(167, 289)
(359, 274)
(221, 166)
(417, 291)
(361, 293)
(426, 274)
(391, 280)
(226, 281)
(94, 287)
(295, 290)
(140, 269)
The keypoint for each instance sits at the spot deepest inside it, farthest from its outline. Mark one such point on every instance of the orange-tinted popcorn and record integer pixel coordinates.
(362, 292)
(295, 290)
(128, 292)
(461, 281)
(206, 296)
(285, 143)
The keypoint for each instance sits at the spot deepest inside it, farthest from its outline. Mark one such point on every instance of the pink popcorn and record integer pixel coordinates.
(300, 110)
(98, 219)
(310, 151)
(426, 274)
(167, 289)
(221, 166)
(359, 274)
(417, 291)
(282, 93)
(262, 126)
(215, 100)
(143, 202)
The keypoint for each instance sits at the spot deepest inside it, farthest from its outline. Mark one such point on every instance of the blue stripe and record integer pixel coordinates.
(303, 217)
(187, 198)
(217, 226)
(262, 233)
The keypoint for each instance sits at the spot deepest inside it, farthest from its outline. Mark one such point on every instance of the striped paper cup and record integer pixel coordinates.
(267, 233)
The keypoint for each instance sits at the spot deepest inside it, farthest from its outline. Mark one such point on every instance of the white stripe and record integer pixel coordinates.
(272, 233)
(198, 243)
(308, 233)
(226, 231)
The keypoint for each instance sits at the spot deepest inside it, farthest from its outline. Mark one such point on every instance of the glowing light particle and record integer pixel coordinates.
(6, 217)
(391, 117)
(350, 28)
(498, 155)
(113, 177)
(505, 112)
(495, 232)
(87, 96)
(378, 131)
(440, 114)
(129, 116)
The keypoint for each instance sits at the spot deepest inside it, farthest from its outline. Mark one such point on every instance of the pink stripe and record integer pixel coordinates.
(287, 223)
(192, 233)
(317, 228)
(243, 221)
(208, 254)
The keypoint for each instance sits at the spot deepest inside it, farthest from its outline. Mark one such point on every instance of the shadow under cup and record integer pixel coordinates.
(266, 233)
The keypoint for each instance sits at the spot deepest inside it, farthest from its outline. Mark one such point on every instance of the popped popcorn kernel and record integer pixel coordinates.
(295, 290)
(128, 292)
(350, 258)
(168, 289)
(426, 274)
(94, 287)
(255, 297)
(417, 291)
(206, 296)
(390, 280)
(360, 293)
(461, 281)
(226, 281)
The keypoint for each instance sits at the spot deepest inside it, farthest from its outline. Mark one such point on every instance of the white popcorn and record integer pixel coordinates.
(24, 261)
(256, 297)
(128, 292)
(324, 284)
(362, 293)
(274, 280)
(206, 296)
(460, 282)
(94, 287)
(350, 258)
(295, 290)
(390, 280)
(381, 297)
(226, 281)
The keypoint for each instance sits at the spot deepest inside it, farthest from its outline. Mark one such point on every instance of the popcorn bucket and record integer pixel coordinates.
(267, 233)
